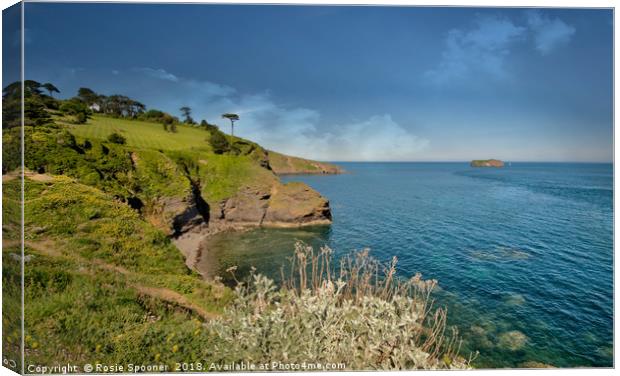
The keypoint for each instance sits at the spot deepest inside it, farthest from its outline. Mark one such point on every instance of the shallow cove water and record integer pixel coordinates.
(523, 254)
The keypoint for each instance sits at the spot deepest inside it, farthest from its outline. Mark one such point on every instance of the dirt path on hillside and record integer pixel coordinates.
(51, 248)
(175, 298)
(27, 174)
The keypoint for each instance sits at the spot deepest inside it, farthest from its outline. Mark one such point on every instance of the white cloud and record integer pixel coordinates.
(378, 138)
(481, 50)
(549, 33)
(209, 88)
(297, 131)
(158, 73)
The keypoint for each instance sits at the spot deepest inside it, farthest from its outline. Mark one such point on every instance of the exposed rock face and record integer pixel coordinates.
(188, 216)
(286, 205)
(176, 216)
(247, 206)
(296, 204)
(191, 220)
(487, 163)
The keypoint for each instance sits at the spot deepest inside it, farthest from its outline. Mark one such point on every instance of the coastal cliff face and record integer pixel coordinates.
(261, 201)
(190, 221)
(197, 192)
(284, 205)
(487, 163)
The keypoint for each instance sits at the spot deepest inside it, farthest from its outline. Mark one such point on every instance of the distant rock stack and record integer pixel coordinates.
(487, 163)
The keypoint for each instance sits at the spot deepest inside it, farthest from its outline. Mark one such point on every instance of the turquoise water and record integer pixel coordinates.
(523, 254)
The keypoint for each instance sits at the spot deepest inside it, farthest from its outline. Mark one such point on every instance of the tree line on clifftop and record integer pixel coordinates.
(40, 105)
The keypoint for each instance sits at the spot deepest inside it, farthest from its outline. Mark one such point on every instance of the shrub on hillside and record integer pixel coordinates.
(219, 143)
(50, 103)
(53, 149)
(11, 149)
(116, 138)
(77, 111)
(209, 127)
(168, 121)
(361, 316)
(151, 115)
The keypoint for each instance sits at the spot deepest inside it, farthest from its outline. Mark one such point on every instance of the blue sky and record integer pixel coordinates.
(350, 83)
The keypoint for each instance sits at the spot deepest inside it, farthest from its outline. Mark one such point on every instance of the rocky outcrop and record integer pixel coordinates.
(172, 197)
(246, 207)
(190, 220)
(487, 163)
(285, 205)
(295, 204)
(172, 200)
(176, 216)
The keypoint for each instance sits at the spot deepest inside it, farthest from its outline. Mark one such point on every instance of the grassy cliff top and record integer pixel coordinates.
(285, 164)
(150, 135)
(142, 134)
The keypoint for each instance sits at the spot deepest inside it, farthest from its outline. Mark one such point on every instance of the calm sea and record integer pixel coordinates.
(523, 254)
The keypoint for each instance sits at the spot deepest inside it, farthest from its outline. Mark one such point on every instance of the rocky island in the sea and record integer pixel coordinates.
(487, 163)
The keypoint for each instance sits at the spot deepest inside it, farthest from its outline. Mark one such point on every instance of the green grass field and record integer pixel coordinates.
(150, 135)
(222, 175)
(142, 134)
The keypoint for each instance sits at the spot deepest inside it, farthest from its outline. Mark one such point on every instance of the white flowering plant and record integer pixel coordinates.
(360, 315)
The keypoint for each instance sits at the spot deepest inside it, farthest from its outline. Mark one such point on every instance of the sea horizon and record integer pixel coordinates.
(468, 161)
